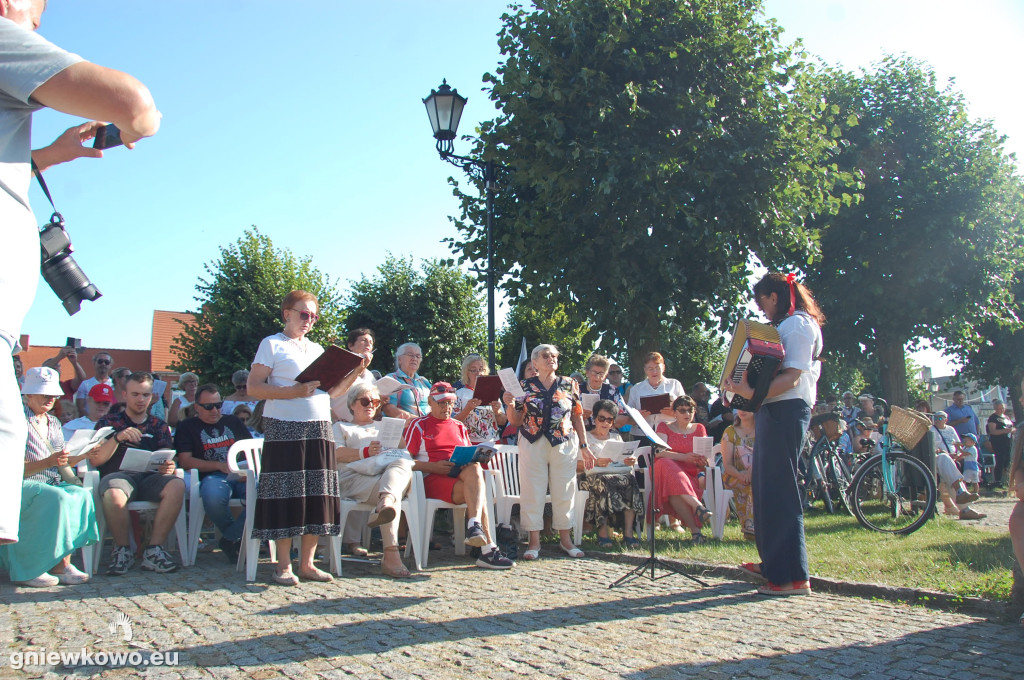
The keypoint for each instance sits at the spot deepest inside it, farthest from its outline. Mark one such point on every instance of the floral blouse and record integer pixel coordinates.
(549, 412)
(481, 423)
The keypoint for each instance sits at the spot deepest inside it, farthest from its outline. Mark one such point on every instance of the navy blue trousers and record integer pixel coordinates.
(778, 513)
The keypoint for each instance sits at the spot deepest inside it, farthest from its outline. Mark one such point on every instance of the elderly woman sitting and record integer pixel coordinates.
(410, 401)
(358, 440)
(182, 407)
(484, 421)
(614, 496)
(56, 517)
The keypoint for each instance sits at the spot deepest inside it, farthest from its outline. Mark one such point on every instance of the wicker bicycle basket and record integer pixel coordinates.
(907, 427)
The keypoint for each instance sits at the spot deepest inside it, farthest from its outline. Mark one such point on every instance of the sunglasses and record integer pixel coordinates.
(366, 401)
(614, 372)
(209, 407)
(604, 419)
(103, 362)
(684, 410)
(306, 316)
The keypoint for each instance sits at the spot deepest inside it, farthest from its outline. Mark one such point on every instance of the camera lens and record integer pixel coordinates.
(69, 282)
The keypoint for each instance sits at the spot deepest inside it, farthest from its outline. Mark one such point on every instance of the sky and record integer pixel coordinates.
(309, 124)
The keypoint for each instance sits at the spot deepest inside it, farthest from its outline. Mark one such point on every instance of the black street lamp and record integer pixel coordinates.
(444, 108)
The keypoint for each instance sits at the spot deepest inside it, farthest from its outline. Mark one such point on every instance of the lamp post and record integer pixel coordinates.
(444, 108)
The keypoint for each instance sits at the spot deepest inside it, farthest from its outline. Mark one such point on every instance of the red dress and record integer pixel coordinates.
(676, 478)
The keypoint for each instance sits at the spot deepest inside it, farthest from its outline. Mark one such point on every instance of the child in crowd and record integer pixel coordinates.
(968, 457)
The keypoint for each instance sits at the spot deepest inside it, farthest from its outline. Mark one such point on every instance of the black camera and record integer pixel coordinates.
(60, 270)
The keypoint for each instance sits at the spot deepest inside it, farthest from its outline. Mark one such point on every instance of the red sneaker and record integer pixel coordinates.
(794, 588)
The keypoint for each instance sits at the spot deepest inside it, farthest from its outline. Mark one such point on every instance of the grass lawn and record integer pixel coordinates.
(943, 555)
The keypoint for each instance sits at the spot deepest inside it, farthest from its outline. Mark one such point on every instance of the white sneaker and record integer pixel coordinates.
(72, 576)
(44, 580)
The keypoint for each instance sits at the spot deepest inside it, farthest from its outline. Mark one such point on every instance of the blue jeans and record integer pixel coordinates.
(216, 491)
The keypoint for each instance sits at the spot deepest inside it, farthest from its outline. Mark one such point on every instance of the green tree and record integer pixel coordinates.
(692, 355)
(546, 321)
(929, 250)
(239, 304)
(653, 147)
(435, 306)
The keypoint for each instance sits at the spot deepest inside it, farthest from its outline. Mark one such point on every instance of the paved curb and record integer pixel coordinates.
(975, 606)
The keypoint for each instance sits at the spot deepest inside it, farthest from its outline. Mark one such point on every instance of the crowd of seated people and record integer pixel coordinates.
(560, 443)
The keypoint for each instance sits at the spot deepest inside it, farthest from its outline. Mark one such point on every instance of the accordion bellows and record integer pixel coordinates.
(757, 350)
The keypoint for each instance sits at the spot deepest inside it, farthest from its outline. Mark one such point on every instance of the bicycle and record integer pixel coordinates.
(892, 491)
(826, 475)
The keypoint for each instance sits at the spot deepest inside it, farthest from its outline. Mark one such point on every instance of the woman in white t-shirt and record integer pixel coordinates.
(656, 383)
(358, 440)
(780, 426)
(297, 493)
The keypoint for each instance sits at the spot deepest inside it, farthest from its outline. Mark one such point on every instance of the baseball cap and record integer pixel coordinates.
(866, 396)
(102, 393)
(442, 391)
(972, 437)
(940, 414)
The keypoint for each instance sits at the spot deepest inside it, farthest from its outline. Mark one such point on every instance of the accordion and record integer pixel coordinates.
(757, 350)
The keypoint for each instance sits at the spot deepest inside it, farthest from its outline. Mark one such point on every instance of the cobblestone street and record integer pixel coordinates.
(555, 618)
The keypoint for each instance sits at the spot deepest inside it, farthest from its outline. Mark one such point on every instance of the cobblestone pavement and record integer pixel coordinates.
(554, 618)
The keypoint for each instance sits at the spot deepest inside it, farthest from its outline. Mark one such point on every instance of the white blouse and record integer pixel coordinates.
(286, 358)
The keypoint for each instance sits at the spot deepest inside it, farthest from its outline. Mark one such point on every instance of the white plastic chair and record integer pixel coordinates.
(197, 513)
(716, 499)
(507, 490)
(432, 505)
(252, 450)
(179, 535)
(411, 505)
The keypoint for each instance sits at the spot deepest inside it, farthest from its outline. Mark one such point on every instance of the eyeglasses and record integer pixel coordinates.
(684, 411)
(614, 372)
(366, 401)
(413, 356)
(548, 355)
(215, 405)
(103, 362)
(306, 316)
(604, 419)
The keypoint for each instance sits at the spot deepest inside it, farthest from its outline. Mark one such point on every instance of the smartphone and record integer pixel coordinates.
(75, 343)
(107, 136)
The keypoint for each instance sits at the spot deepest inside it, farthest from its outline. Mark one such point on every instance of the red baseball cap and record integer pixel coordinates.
(442, 391)
(101, 393)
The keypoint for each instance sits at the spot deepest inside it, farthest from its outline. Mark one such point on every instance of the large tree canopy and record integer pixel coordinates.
(240, 304)
(435, 306)
(929, 250)
(652, 148)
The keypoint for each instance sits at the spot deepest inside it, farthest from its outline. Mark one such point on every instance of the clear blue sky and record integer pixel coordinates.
(308, 122)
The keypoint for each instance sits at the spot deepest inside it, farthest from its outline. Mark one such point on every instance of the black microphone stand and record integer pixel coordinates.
(653, 562)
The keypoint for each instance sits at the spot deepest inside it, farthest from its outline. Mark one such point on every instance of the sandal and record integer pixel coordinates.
(603, 542)
(355, 550)
(573, 552)
(751, 568)
(315, 575)
(385, 512)
(794, 588)
(632, 542)
(531, 554)
(285, 578)
(396, 573)
(702, 514)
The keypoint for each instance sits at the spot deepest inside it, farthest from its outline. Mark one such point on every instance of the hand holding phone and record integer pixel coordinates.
(107, 136)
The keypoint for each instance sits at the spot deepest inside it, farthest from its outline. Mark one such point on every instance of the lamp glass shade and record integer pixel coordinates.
(444, 109)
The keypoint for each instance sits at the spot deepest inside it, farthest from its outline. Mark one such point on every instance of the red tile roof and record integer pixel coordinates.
(166, 327)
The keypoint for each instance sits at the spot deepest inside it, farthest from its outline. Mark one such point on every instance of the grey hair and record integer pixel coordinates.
(997, 402)
(358, 391)
(540, 349)
(239, 376)
(401, 350)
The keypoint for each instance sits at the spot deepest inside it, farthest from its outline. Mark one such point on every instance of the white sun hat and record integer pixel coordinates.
(42, 380)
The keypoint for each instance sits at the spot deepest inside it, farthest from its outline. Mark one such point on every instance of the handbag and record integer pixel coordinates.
(374, 465)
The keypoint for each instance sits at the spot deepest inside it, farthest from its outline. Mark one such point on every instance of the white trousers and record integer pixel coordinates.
(13, 435)
(543, 467)
(947, 470)
(395, 479)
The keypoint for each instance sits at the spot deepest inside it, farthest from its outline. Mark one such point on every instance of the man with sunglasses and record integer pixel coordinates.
(202, 443)
(101, 363)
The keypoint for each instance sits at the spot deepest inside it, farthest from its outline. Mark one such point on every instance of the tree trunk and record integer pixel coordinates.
(892, 367)
(639, 345)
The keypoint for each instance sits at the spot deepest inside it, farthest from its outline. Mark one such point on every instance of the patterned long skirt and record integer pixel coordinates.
(610, 495)
(297, 492)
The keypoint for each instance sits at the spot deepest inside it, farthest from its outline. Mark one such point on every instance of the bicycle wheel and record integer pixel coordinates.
(894, 497)
(840, 479)
(820, 482)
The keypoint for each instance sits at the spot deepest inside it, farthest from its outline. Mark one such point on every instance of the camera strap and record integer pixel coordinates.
(42, 183)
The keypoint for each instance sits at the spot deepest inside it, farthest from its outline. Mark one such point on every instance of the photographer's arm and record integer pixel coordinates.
(99, 93)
